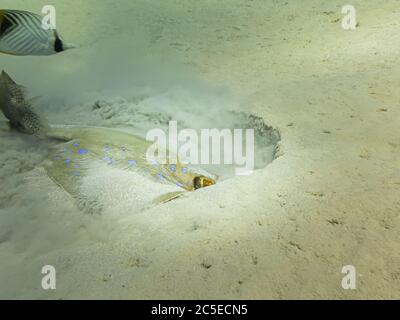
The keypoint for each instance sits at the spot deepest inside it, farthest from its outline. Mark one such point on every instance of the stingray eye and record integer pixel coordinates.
(202, 182)
(58, 45)
(197, 183)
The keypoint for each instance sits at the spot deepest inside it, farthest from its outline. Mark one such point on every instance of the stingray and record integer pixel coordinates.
(87, 151)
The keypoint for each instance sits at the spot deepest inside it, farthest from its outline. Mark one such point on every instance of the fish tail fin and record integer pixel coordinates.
(17, 109)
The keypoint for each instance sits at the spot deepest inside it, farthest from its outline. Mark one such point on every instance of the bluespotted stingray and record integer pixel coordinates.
(88, 150)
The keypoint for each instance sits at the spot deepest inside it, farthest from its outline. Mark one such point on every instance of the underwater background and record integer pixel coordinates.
(326, 197)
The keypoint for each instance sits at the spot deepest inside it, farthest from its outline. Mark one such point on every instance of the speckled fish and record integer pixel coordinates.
(86, 148)
(22, 34)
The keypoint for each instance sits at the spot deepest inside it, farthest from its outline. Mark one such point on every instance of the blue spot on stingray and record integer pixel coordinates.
(76, 144)
(76, 166)
(108, 160)
(184, 170)
(173, 167)
(180, 185)
(67, 161)
(107, 149)
(83, 151)
(132, 163)
(76, 173)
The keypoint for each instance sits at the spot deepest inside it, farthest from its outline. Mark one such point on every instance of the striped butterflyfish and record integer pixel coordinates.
(22, 34)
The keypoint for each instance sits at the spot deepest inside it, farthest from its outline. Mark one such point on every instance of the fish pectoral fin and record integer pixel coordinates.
(168, 197)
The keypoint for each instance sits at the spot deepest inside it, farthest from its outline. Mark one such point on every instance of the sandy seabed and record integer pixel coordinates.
(331, 198)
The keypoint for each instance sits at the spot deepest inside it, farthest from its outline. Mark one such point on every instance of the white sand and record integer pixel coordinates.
(331, 199)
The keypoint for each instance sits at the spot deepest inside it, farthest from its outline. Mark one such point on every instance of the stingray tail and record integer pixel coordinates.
(19, 110)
